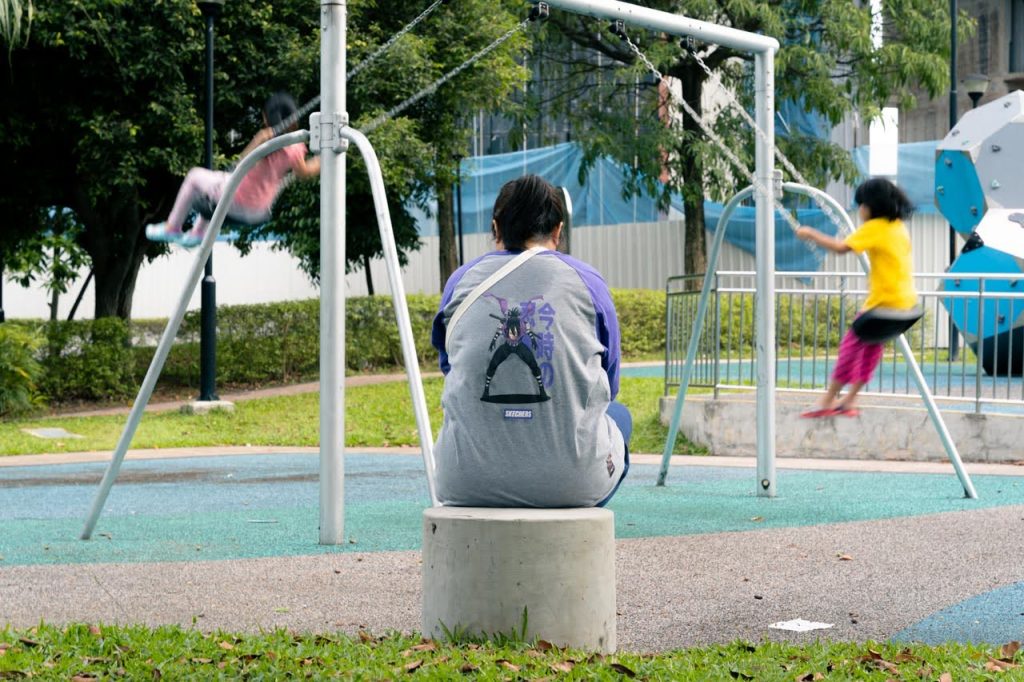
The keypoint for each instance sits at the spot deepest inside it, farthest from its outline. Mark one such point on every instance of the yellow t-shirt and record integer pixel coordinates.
(890, 282)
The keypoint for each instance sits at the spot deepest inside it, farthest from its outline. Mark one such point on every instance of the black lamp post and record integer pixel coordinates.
(208, 310)
(2, 316)
(954, 337)
(458, 200)
(976, 86)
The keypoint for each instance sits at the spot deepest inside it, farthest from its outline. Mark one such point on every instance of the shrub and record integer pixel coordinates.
(19, 369)
(88, 360)
(274, 343)
(641, 314)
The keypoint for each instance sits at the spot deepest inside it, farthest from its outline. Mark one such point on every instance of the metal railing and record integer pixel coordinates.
(814, 309)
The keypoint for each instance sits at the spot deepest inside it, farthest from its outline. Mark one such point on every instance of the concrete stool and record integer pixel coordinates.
(483, 567)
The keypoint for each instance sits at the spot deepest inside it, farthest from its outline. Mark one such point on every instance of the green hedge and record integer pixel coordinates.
(20, 371)
(268, 343)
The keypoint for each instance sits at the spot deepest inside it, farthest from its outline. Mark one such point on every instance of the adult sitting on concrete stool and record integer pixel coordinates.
(529, 345)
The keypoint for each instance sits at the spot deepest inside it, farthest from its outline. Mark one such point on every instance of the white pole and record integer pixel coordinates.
(764, 92)
(412, 363)
(163, 348)
(675, 24)
(332, 273)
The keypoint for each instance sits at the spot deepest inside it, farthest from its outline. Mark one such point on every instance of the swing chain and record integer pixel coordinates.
(782, 158)
(394, 39)
(431, 89)
(312, 104)
(709, 132)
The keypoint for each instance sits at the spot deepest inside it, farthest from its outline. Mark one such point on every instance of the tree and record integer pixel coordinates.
(53, 257)
(15, 22)
(101, 115)
(455, 33)
(827, 62)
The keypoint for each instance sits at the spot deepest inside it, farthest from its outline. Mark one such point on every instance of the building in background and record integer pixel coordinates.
(996, 50)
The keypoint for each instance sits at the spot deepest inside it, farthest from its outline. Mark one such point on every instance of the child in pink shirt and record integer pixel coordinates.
(203, 188)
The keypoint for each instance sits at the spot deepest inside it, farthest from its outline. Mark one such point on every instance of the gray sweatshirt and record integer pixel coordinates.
(529, 372)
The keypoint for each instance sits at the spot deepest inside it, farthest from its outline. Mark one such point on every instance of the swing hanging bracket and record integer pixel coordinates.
(540, 12)
(777, 184)
(325, 132)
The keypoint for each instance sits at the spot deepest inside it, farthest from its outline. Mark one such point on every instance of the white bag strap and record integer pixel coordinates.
(482, 288)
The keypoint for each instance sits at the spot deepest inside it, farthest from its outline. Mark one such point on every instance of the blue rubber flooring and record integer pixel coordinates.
(267, 505)
(219, 508)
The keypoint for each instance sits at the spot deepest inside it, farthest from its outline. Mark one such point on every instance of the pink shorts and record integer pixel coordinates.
(857, 360)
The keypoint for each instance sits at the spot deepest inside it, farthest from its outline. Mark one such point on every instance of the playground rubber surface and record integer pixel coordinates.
(231, 542)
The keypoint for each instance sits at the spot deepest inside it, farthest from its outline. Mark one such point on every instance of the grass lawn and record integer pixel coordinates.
(89, 652)
(377, 415)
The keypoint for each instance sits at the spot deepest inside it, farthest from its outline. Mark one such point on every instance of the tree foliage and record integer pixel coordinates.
(102, 114)
(827, 63)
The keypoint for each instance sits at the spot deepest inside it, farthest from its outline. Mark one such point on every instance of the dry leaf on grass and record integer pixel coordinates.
(622, 669)
(563, 666)
(508, 665)
(945, 677)
(413, 666)
(1009, 650)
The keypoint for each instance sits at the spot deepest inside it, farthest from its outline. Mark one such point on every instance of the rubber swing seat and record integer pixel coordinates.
(879, 325)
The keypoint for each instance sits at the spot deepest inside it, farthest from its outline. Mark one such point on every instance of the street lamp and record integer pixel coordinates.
(976, 86)
(208, 309)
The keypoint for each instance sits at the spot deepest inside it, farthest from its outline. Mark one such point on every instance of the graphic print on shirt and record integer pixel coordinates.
(517, 335)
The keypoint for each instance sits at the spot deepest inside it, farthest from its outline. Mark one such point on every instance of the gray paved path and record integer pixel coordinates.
(673, 592)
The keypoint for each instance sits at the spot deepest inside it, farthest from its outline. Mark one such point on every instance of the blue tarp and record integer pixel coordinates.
(915, 171)
(599, 200)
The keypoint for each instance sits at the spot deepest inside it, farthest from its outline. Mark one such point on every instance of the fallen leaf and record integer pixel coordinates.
(757, 518)
(226, 646)
(468, 668)
(202, 661)
(83, 677)
(628, 672)
(545, 645)
(94, 630)
(28, 642)
(429, 645)
(365, 637)
(845, 557)
(563, 666)
(413, 666)
(945, 677)
(1009, 650)
(508, 665)
(999, 666)
(592, 658)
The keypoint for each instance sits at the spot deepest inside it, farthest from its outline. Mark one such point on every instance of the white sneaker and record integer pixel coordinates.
(190, 239)
(161, 232)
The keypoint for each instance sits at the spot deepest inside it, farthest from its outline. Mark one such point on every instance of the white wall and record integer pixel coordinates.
(640, 255)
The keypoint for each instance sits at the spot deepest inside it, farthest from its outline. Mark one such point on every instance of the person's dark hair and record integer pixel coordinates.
(527, 208)
(884, 199)
(279, 107)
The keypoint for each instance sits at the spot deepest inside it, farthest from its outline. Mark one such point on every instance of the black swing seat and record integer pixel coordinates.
(879, 325)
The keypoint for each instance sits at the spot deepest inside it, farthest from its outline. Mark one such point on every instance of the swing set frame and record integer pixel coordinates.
(330, 135)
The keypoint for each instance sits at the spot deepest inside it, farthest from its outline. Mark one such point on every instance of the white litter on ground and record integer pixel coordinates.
(799, 625)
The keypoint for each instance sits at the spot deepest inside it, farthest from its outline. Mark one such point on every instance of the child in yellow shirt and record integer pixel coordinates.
(886, 240)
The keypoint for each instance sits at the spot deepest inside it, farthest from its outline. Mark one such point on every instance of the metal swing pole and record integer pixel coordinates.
(764, 299)
(904, 346)
(332, 271)
(698, 325)
(167, 339)
(412, 365)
